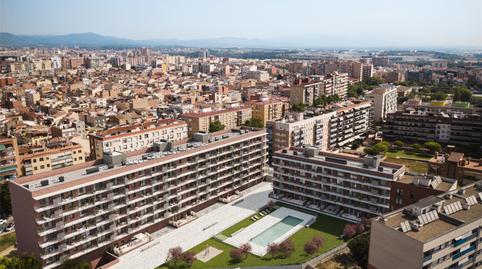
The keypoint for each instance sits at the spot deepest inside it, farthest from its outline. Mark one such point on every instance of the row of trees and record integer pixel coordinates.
(359, 88)
(24, 261)
(326, 100)
(382, 147)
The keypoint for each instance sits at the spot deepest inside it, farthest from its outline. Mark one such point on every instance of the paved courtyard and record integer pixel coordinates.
(206, 226)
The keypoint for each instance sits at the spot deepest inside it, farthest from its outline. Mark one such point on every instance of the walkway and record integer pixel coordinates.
(206, 226)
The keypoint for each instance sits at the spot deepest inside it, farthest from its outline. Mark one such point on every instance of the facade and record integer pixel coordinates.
(362, 71)
(9, 168)
(230, 118)
(384, 99)
(135, 137)
(268, 110)
(328, 130)
(437, 232)
(51, 158)
(85, 210)
(455, 165)
(420, 123)
(342, 185)
(331, 84)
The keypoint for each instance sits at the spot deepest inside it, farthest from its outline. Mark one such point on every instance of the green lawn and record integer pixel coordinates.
(412, 165)
(7, 241)
(327, 227)
(238, 226)
(407, 155)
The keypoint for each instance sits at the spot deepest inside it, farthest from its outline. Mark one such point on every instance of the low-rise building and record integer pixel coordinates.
(456, 165)
(441, 231)
(268, 110)
(230, 118)
(9, 168)
(136, 136)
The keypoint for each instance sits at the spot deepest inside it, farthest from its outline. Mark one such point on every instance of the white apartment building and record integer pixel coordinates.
(135, 137)
(337, 184)
(384, 99)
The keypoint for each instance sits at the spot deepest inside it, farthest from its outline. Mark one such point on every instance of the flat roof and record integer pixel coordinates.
(77, 174)
(446, 222)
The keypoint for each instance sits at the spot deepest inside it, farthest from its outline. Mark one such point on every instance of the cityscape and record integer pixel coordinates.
(240, 134)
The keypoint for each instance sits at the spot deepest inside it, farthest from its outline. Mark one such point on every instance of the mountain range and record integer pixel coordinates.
(93, 40)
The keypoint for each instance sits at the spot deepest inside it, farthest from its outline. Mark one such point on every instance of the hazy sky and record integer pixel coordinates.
(442, 22)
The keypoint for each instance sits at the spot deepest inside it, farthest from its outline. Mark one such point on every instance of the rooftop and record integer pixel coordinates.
(441, 214)
(72, 176)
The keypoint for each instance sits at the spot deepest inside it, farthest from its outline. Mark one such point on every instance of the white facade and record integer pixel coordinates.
(384, 101)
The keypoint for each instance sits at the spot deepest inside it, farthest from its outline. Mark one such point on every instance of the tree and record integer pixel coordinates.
(254, 122)
(318, 241)
(6, 208)
(245, 249)
(179, 259)
(215, 126)
(310, 248)
(75, 264)
(174, 253)
(188, 258)
(359, 228)
(461, 93)
(398, 144)
(382, 146)
(416, 146)
(236, 255)
(439, 96)
(22, 261)
(298, 107)
(432, 146)
(273, 249)
(359, 249)
(371, 151)
(286, 248)
(349, 231)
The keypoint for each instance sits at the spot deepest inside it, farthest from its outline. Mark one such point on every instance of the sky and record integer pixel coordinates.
(429, 22)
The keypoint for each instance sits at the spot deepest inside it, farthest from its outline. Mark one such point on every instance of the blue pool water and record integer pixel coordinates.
(274, 232)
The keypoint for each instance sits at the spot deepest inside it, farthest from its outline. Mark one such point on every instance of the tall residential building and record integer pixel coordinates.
(456, 165)
(230, 118)
(9, 168)
(384, 99)
(135, 137)
(331, 84)
(342, 185)
(53, 156)
(422, 123)
(441, 231)
(268, 110)
(345, 123)
(362, 71)
(88, 210)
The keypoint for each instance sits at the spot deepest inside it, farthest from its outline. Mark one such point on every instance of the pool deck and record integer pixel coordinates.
(245, 235)
(206, 226)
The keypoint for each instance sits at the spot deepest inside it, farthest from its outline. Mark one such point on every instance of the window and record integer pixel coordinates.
(41, 159)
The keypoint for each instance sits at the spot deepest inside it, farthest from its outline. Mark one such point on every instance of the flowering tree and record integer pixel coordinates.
(310, 248)
(349, 231)
(245, 249)
(286, 248)
(236, 255)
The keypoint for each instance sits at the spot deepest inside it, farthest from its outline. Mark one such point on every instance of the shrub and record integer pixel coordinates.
(432, 146)
(416, 146)
(216, 126)
(371, 151)
(381, 147)
(398, 144)
(318, 241)
(359, 249)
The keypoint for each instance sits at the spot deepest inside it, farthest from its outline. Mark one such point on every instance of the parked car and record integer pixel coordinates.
(10, 227)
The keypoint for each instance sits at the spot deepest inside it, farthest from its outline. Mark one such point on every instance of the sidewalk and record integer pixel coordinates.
(206, 226)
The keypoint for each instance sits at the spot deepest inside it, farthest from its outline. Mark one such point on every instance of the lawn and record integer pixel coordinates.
(412, 165)
(327, 227)
(408, 155)
(238, 226)
(7, 240)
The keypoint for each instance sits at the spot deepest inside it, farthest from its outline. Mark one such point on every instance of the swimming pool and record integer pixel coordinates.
(274, 232)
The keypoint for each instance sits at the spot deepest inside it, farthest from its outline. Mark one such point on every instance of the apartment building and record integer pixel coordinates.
(86, 210)
(296, 130)
(53, 156)
(419, 123)
(268, 110)
(230, 118)
(137, 136)
(9, 168)
(331, 84)
(409, 189)
(342, 185)
(341, 125)
(456, 165)
(362, 71)
(441, 231)
(352, 119)
(384, 100)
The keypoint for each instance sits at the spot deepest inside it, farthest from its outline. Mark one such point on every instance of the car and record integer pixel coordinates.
(10, 227)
